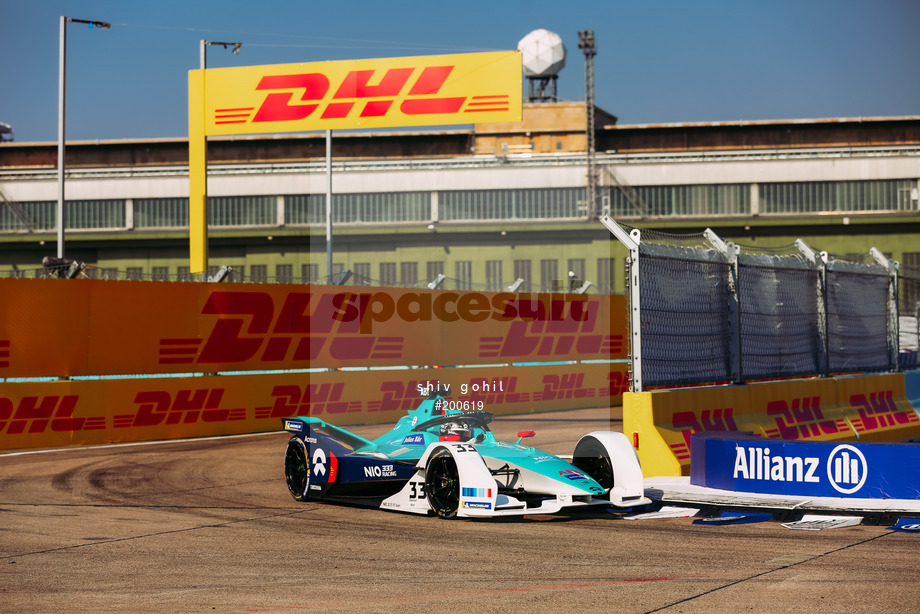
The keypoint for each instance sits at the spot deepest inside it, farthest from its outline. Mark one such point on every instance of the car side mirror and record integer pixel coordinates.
(523, 434)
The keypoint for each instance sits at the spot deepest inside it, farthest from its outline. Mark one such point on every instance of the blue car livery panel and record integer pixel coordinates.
(449, 463)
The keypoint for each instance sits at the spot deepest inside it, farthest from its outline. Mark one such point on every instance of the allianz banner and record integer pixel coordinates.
(61, 328)
(734, 462)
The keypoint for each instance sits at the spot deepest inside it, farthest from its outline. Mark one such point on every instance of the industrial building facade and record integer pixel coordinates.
(483, 207)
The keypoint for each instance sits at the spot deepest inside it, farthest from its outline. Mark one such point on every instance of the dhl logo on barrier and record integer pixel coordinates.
(402, 395)
(409, 91)
(32, 414)
(803, 418)
(135, 409)
(878, 410)
(339, 326)
(157, 407)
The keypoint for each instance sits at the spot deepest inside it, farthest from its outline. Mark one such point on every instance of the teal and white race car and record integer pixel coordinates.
(448, 462)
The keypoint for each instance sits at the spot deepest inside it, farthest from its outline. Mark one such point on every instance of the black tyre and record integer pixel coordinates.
(592, 458)
(442, 484)
(296, 468)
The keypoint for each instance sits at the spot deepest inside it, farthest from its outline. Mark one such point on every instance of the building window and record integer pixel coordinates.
(510, 204)
(408, 274)
(464, 269)
(258, 273)
(160, 273)
(671, 200)
(134, 273)
(183, 273)
(433, 269)
(309, 272)
(362, 275)
(493, 275)
(522, 271)
(95, 214)
(284, 273)
(576, 266)
(242, 210)
(836, 196)
(549, 275)
(605, 276)
(161, 212)
(388, 273)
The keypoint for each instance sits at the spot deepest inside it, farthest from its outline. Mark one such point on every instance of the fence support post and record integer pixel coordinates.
(631, 241)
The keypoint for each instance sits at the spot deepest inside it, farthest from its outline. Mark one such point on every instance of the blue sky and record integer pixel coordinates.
(658, 61)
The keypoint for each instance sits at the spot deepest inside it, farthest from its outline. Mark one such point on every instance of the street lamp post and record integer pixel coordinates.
(235, 50)
(586, 44)
(62, 90)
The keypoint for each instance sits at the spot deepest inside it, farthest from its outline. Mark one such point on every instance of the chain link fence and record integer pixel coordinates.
(707, 311)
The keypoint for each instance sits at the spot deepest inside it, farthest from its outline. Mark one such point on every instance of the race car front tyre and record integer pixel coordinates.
(592, 458)
(442, 484)
(296, 470)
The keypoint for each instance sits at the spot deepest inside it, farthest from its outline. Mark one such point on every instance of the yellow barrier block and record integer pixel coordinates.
(664, 420)
(878, 408)
(802, 409)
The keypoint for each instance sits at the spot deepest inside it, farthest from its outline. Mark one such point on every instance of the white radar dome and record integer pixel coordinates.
(543, 53)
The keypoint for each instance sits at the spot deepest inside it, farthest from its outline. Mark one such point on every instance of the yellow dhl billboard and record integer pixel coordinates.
(372, 93)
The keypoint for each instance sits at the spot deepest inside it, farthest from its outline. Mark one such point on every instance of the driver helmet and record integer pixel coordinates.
(460, 431)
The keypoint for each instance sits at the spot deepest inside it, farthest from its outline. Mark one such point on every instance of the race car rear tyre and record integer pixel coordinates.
(296, 469)
(442, 484)
(592, 458)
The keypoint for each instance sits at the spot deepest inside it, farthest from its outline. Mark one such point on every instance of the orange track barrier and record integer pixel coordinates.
(63, 413)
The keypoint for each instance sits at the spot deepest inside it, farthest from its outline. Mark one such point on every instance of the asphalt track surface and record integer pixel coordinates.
(208, 526)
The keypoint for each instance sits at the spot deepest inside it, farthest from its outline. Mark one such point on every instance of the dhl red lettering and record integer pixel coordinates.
(617, 384)
(156, 407)
(565, 386)
(34, 416)
(686, 422)
(357, 85)
(351, 348)
(63, 418)
(393, 395)
(433, 106)
(882, 401)
(277, 108)
(30, 408)
(152, 408)
(709, 420)
(803, 420)
(431, 80)
(225, 343)
(518, 343)
(6, 410)
(294, 317)
(865, 411)
(292, 400)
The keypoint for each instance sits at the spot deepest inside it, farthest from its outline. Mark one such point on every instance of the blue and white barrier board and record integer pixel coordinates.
(745, 463)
